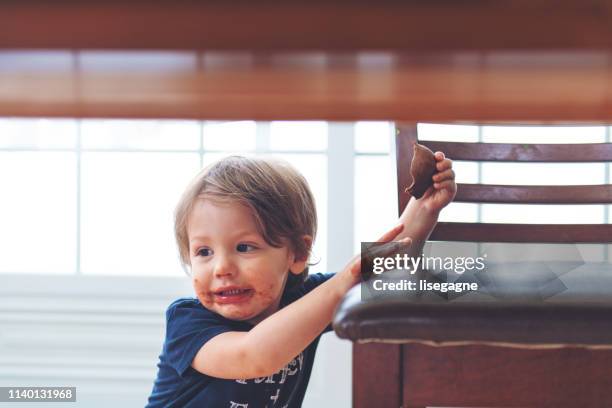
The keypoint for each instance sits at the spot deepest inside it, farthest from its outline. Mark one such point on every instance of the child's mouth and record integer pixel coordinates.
(233, 295)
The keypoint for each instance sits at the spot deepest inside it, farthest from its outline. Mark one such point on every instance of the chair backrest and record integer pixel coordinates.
(406, 136)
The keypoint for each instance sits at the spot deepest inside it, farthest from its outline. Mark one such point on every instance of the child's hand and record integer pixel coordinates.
(444, 188)
(352, 272)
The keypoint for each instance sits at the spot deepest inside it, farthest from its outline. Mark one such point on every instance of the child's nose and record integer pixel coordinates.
(224, 266)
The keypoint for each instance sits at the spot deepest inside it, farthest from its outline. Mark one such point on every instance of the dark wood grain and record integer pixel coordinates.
(385, 60)
(588, 152)
(493, 232)
(484, 376)
(376, 375)
(357, 85)
(488, 193)
(302, 24)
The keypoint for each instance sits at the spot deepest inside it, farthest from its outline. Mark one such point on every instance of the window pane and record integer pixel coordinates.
(459, 212)
(465, 172)
(543, 173)
(311, 135)
(543, 214)
(210, 158)
(128, 201)
(314, 168)
(373, 137)
(140, 134)
(447, 133)
(38, 212)
(543, 134)
(375, 198)
(38, 133)
(232, 136)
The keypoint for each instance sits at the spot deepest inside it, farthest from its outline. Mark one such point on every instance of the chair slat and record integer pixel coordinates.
(545, 233)
(591, 152)
(490, 193)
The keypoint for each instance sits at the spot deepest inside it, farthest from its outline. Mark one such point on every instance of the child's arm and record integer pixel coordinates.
(274, 341)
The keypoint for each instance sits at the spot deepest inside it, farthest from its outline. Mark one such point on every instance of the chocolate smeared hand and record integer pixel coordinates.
(422, 168)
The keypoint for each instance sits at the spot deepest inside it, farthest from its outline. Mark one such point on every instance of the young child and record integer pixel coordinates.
(245, 227)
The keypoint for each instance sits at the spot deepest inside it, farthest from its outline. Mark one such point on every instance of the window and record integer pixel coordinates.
(96, 197)
(374, 180)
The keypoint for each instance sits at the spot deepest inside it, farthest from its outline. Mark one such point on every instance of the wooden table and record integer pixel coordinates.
(508, 60)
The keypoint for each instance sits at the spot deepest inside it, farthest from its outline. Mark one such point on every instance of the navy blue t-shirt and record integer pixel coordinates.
(189, 326)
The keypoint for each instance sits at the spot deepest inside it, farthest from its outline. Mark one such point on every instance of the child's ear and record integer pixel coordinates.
(299, 262)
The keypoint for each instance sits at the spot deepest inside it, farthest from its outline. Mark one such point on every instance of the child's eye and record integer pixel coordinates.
(245, 248)
(204, 252)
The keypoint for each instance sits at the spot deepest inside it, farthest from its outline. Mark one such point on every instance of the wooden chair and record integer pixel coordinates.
(512, 354)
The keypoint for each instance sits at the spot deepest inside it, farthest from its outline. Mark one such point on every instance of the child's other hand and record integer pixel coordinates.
(352, 272)
(444, 188)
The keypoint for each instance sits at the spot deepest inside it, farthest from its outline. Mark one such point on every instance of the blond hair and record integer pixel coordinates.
(277, 195)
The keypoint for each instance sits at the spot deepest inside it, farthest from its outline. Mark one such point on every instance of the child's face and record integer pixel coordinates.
(235, 272)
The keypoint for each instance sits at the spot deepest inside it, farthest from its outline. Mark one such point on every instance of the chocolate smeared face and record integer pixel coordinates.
(422, 168)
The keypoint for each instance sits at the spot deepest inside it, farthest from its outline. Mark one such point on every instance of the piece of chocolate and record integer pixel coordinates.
(422, 168)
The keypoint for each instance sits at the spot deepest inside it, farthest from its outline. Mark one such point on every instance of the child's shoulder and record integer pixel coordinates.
(183, 302)
(183, 305)
(189, 311)
(315, 279)
(312, 281)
